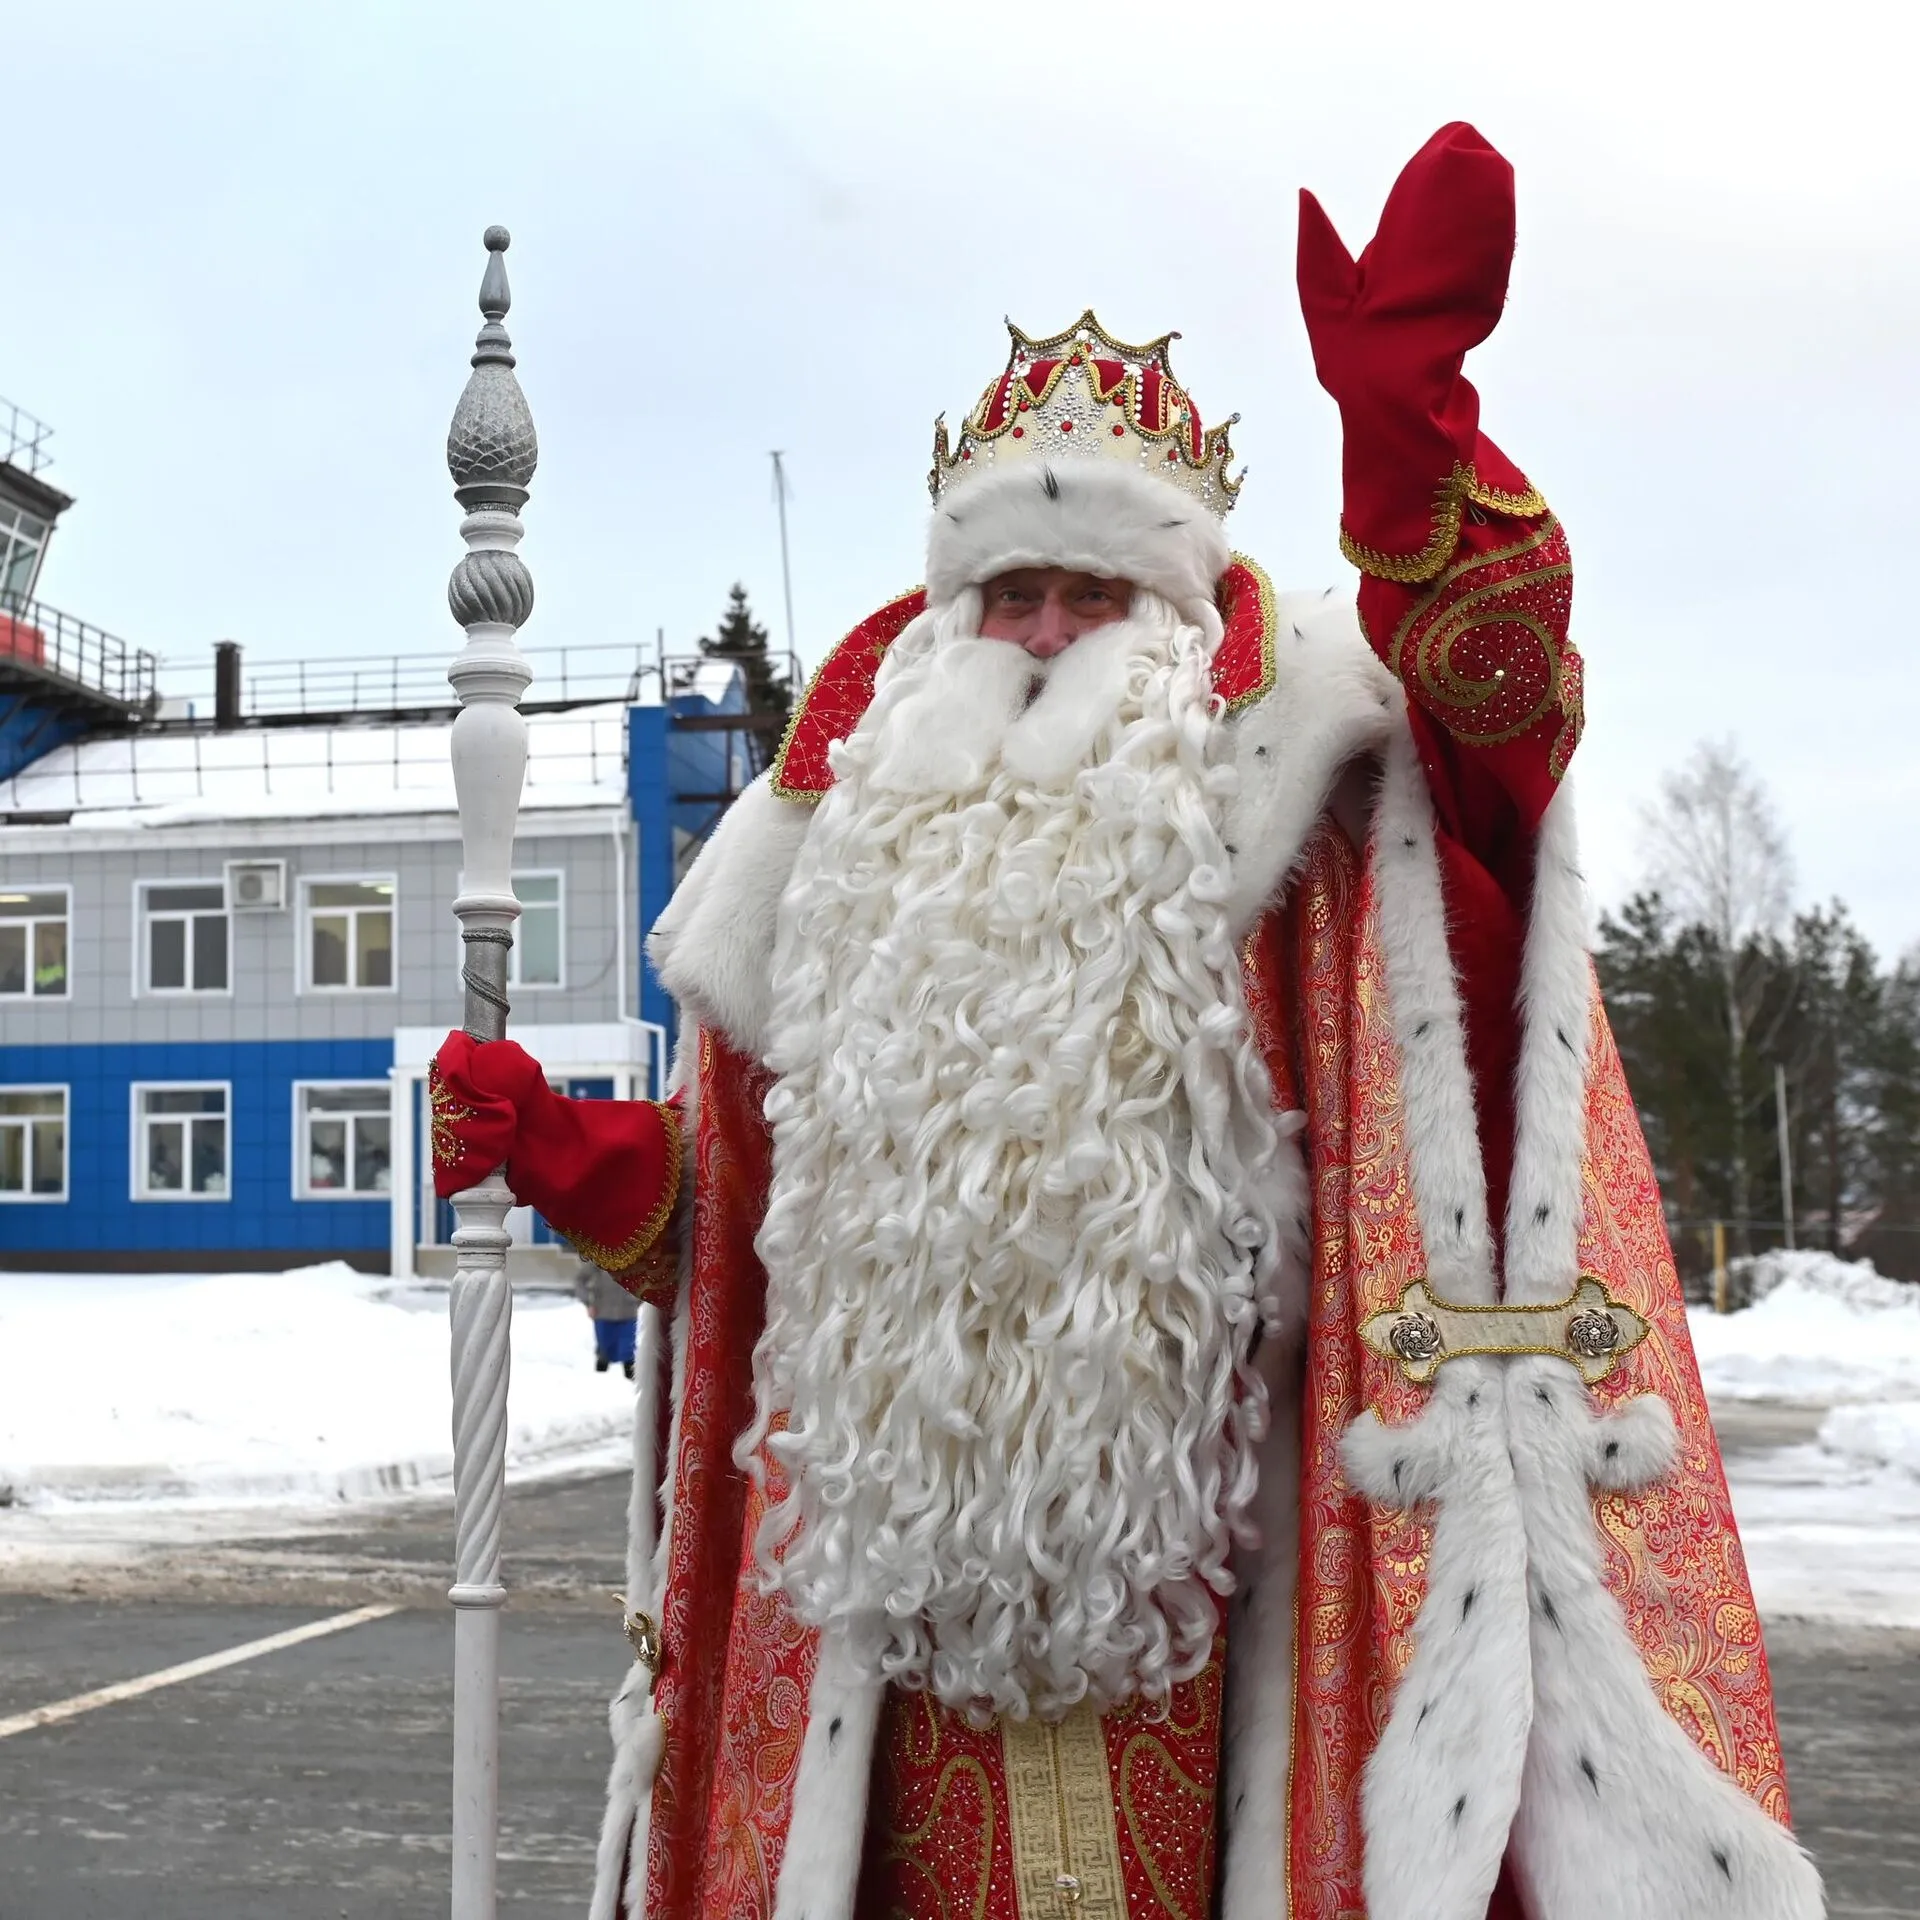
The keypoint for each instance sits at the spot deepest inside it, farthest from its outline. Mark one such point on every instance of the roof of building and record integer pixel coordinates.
(190, 776)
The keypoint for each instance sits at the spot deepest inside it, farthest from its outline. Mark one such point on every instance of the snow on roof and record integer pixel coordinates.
(719, 682)
(574, 759)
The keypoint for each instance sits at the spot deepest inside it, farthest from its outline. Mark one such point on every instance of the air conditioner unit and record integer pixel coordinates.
(256, 886)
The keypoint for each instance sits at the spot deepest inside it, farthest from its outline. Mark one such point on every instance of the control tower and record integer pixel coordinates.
(59, 676)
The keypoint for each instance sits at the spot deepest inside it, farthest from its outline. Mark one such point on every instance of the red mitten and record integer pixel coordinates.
(1390, 332)
(473, 1130)
(604, 1172)
(1467, 583)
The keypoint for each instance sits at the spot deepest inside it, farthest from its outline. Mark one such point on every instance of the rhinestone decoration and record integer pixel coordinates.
(1592, 1335)
(1416, 1337)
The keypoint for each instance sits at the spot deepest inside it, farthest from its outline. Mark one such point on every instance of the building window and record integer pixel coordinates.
(344, 1141)
(33, 943)
(184, 936)
(535, 959)
(349, 934)
(23, 538)
(33, 1143)
(180, 1146)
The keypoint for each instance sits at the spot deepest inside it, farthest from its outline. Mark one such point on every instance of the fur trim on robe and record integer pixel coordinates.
(1526, 1718)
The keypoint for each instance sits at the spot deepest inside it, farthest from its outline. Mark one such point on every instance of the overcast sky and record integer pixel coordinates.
(242, 245)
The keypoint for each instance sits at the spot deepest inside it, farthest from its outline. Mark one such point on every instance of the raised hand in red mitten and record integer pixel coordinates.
(1467, 583)
(604, 1172)
(1389, 333)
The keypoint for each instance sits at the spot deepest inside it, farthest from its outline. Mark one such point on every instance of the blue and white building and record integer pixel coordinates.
(227, 951)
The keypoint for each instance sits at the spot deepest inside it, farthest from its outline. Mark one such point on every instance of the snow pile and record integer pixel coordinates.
(1886, 1435)
(320, 1382)
(1855, 1281)
(1826, 1331)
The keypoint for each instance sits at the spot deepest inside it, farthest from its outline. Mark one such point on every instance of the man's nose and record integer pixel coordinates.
(1053, 632)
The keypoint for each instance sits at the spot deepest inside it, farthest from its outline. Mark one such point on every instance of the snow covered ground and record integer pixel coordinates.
(288, 1388)
(149, 1405)
(1831, 1526)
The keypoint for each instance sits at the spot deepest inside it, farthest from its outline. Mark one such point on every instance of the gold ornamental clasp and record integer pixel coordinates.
(1589, 1330)
(643, 1631)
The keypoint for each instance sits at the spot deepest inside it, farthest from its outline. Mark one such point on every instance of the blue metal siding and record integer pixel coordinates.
(100, 1212)
(653, 833)
(30, 728)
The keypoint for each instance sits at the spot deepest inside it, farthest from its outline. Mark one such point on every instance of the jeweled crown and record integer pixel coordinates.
(1082, 394)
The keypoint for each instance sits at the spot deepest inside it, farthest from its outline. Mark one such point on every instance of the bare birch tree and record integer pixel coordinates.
(1717, 855)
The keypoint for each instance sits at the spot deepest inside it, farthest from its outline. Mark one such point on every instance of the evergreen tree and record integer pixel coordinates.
(1892, 1125)
(1815, 1003)
(770, 690)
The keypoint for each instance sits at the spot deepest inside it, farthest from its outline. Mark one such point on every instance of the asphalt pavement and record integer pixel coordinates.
(312, 1783)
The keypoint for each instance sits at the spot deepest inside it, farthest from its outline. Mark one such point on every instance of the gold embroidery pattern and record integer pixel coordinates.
(1066, 1855)
(963, 1776)
(447, 1114)
(1451, 498)
(937, 1842)
(1488, 645)
(634, 1248)
(1148, 1752)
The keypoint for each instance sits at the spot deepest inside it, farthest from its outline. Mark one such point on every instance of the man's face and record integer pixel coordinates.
(1046, 609)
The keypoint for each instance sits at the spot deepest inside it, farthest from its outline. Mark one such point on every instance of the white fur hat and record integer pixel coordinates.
(1090, 516)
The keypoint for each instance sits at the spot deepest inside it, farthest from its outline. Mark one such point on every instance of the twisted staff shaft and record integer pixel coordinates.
(491, 453)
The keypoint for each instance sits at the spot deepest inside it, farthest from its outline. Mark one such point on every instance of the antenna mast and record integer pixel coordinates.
(786, 571)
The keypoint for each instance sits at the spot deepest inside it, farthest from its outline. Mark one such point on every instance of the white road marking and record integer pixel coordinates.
(80, 1703)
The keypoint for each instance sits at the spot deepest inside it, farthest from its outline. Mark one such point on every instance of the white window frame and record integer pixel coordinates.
(137, 1157)
(303, 958)
(11, 540)
(65, 890)
(514, 983)
(143, 986)
(30, 1198)
(303, 1159)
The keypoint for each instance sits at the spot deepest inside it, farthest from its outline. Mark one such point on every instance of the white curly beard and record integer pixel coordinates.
(1016, 1245)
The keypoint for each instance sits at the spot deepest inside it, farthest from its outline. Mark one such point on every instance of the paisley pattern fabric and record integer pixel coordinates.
(940, 1831)
(1672, 1554)
(940, 1841)
(725, 1303)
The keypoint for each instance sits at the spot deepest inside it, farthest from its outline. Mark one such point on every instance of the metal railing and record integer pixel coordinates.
(23, 439)
(679, 671)
(35, 635)
(378, 684)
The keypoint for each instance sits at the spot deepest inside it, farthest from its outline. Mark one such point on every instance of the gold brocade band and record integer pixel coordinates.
(1588, 1330)
(1066, 1850)
(1451, 499)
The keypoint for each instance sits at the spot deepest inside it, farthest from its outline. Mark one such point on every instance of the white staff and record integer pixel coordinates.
(491, 453)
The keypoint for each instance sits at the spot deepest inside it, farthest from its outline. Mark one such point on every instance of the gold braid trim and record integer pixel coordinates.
(778, 765)
(630, 1251)
(1269, 665)
(1450, 502)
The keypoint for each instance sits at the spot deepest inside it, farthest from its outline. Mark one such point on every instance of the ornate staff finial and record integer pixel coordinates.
(491, 453)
